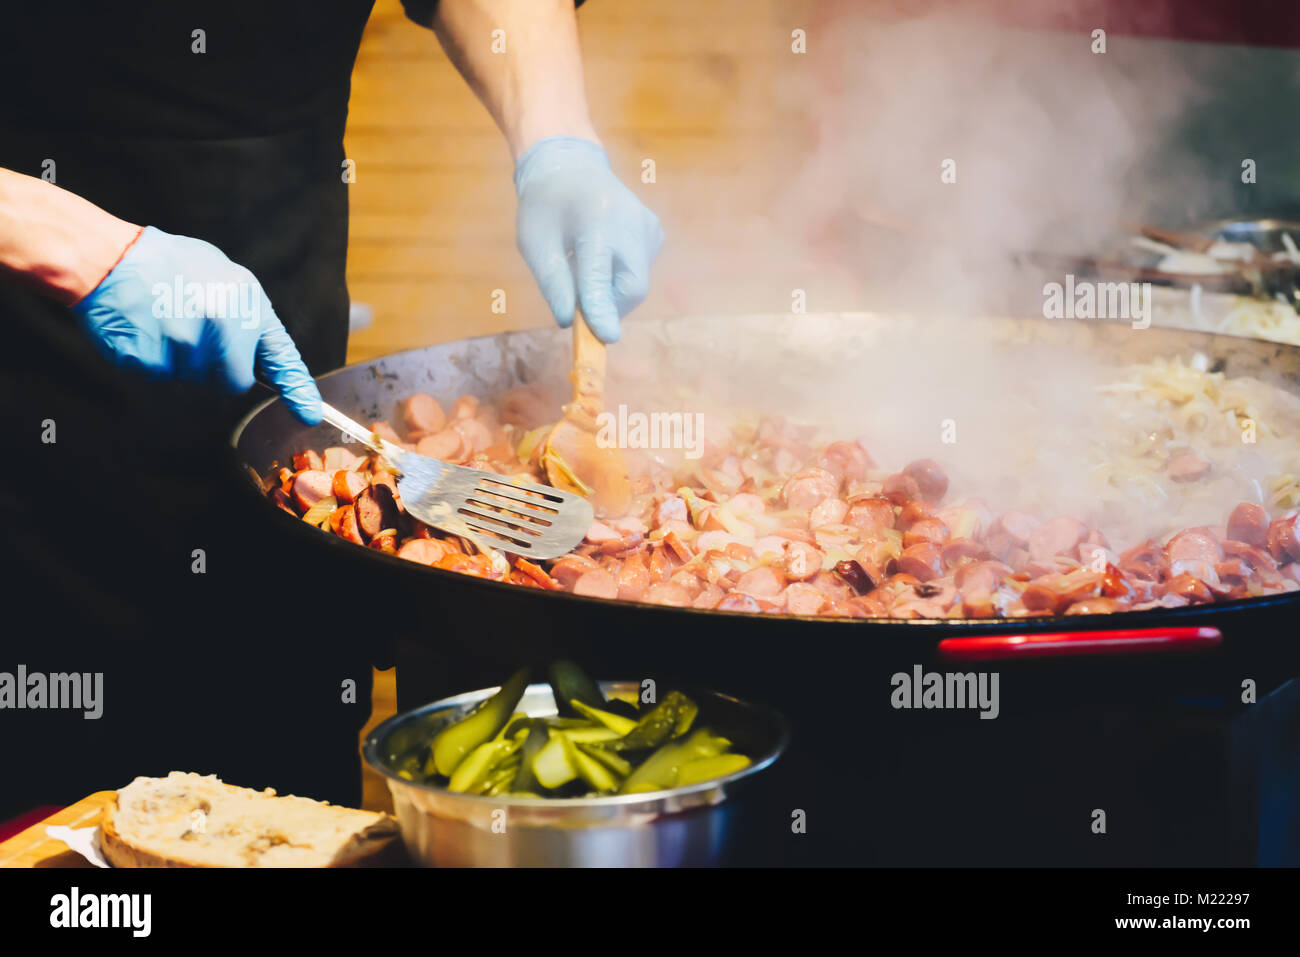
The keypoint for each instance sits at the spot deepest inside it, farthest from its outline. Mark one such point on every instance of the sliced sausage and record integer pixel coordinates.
(738, 601)
(901, 488)
(421, 415)
(831, 511)
(960, 549)
(762, 582)
(307, 459)
(1193, 545)
(426, 551)
(912, 512)
(668, 593)
(1018, 525)
(1057, 536)
(924, 561)
(803, 599)
(1282, 540)
(310, 487)
(1095, 606)
(376, 510)
(633, 579)
(570, 568)
(1188, 587)
(847, 461)
(343, 521)
(926, 530)
(447, 445)
(476, 435)
(801, 561)
(929, 477)
(1249, 523)
(347, 485)
(870, 515)
(809, 488)
(596, 583)
(337, 457)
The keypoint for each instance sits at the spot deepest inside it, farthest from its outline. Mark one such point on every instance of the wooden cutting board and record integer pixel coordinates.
(34, 848)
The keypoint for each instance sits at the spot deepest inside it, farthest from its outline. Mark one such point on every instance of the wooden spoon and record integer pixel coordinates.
(574, 460)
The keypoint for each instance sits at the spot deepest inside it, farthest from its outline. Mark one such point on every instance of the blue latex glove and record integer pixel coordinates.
(570, 202)
(177, 307)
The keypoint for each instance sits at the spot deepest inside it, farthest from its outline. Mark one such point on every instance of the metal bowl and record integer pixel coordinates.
(680, 827)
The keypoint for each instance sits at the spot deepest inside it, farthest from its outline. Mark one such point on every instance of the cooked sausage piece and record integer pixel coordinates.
(343, 521)
(336, 457)
(1057, 536)
(596, 583)
(761, 582)
(1193, 545)
(927, 530)
(808, 488)
(1249, 523)
(923, 561)
(347, 485)
(426, 551)
(801, 561)
(831, 511)
(376, 510)
(1018, 525)
(870, 515)
(803, 599)
(929, 477)
(912, 512)
(738, 601)
(421, 415)
(901, 488)
(447, 445)
(847, 461)
(307, 459)
(1282, 540)
(310, 486)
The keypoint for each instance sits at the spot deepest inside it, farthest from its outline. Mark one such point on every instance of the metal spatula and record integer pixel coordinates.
(494, 511)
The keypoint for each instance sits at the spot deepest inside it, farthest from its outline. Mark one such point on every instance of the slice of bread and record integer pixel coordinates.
(194, 820)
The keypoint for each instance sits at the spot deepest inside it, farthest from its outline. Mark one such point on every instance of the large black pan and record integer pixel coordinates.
(833, 676)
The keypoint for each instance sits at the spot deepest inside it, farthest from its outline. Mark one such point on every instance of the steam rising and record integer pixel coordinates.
(1053, 147)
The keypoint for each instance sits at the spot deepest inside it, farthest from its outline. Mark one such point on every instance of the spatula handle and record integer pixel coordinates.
(348, 426)
(588, 368)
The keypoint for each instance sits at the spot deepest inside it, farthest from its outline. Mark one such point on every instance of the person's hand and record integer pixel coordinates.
(571, 203)
(177, 307)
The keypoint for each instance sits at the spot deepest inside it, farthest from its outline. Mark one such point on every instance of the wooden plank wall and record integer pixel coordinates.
(694, 86)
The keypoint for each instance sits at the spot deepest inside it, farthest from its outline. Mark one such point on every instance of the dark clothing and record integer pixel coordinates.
(239, 670)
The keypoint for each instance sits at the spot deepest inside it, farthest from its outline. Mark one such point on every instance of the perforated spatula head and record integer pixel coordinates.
(494, 511)
(498, 511)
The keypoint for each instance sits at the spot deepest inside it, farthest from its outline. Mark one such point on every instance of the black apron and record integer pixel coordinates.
(252, 669)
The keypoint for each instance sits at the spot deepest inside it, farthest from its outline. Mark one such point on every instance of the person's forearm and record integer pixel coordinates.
(534, 88)
(55, 240)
